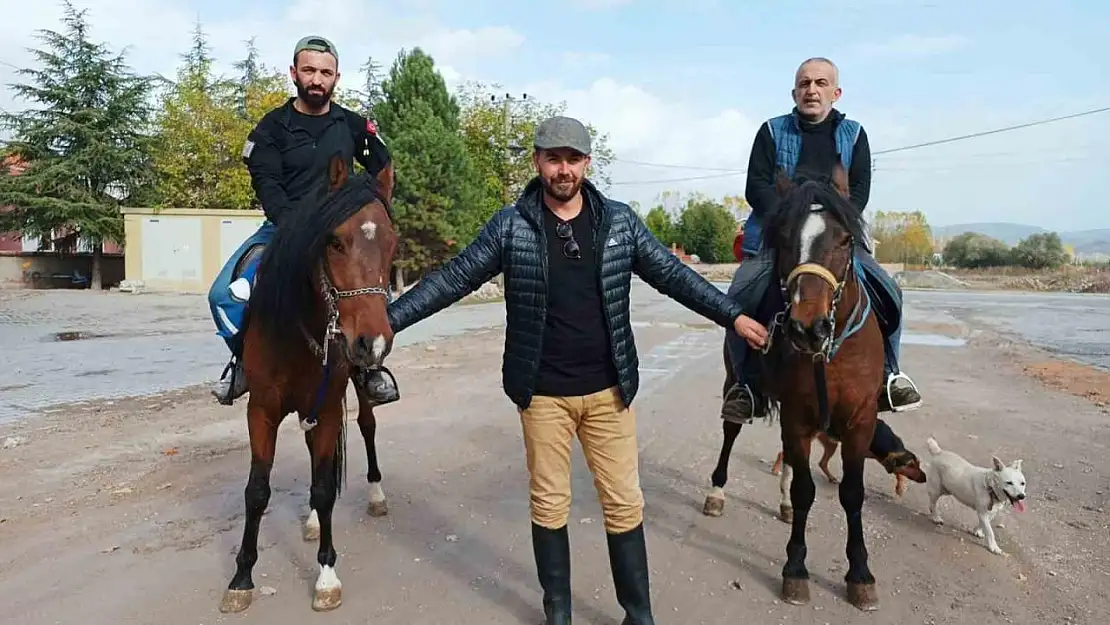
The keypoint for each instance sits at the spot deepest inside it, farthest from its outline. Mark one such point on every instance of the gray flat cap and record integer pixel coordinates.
(562, 132)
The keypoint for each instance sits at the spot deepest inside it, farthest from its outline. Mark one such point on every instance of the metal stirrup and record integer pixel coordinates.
(890, 400)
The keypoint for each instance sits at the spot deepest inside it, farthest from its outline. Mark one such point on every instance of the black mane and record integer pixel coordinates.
(287, 293)
(782, 226)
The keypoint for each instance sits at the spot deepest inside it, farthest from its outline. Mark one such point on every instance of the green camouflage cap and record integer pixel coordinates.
(316, 43)
(562, 132)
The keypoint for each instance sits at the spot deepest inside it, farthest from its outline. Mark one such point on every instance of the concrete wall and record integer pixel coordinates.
(182, 249)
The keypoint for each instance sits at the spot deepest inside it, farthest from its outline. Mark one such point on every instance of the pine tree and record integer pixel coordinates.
(435, 181)
(85, 147)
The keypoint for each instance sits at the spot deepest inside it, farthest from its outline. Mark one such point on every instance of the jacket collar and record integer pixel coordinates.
(530, 202)
(335, 111)
(835, 115)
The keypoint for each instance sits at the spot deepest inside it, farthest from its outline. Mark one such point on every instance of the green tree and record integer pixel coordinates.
(85, 148)
(499, 141)
(972, 250)
(435, 182)
(199, 137)
(659, 222)
(1040, 251)
(707, 228)
(203, 125)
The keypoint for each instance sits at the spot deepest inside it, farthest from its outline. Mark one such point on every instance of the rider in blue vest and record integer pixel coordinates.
(810, 138)
(287, 155)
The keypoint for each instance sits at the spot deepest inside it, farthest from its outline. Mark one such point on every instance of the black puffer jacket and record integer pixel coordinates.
(514, 242)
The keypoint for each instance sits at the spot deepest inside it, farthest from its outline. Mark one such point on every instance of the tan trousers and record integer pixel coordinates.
(606, 428)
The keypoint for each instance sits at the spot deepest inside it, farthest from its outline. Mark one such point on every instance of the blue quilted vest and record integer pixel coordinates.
(787, 135)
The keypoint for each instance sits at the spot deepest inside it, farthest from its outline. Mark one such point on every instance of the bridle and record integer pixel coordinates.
(332, 296)
(856, 318)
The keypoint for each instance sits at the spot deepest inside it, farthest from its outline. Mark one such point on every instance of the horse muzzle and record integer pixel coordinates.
(809, 337)
(369, 352)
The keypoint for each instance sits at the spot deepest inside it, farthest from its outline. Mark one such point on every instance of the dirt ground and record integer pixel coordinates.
(130, 512)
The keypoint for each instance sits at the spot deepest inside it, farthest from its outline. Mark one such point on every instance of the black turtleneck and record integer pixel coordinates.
(818, 155)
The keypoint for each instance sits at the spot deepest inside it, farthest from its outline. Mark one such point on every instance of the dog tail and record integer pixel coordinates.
(934, 447)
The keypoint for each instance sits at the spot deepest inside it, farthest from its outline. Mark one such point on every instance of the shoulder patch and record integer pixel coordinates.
(370, 127)
(248, 147)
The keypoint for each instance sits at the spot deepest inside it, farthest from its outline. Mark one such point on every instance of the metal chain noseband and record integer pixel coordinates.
(332, 296)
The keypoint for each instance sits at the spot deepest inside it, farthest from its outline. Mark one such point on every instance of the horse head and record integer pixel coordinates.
(326, 273)
(357, 263)
(812, 232)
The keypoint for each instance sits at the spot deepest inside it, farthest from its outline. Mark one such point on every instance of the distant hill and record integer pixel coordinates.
(1084, 241)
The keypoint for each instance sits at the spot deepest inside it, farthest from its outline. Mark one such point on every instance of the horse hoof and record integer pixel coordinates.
(795, 591)
(863, 596)
(236, 600)
(311, 530)
(714, 506)
(327, 599)
(786, 514)
(377, 508)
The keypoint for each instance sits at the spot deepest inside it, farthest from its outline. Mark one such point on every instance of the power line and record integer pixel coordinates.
(736, 172)
(984, 133)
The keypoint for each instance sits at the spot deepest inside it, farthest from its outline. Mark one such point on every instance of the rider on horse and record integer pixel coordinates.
(287, 155)
(810, 138)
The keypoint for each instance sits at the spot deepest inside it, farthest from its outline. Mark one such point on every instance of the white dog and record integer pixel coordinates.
(983, 490)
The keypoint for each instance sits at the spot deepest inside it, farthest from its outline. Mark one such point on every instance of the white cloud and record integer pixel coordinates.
(646, 127)
(910, 46)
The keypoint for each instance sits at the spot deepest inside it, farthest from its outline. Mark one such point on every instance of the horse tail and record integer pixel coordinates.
(934, 447)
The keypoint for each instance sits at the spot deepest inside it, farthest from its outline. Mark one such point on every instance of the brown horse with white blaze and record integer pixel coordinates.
(319, 307)
(823, 364)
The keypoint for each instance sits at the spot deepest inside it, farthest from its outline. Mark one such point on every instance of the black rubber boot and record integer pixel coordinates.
(738, 405)
(552, 550)
(378, 386)
(628, 559)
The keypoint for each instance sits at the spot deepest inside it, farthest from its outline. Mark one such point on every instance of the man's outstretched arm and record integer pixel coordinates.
(477, 264)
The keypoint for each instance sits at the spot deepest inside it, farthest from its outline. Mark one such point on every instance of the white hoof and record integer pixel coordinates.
(312, 526)
(329, 592)
(377, 507)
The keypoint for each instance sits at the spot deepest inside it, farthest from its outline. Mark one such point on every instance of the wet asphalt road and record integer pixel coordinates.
(1075, 326)
(130, 345)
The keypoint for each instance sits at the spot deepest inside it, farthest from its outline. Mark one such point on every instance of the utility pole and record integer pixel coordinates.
(509, 145)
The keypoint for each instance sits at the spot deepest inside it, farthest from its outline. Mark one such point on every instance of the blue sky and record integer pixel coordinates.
(686, 83)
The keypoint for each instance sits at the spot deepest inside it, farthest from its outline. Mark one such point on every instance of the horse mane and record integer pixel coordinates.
(288, 288)
(795, 199)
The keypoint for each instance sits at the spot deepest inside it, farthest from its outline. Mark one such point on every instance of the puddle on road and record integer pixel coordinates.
(931, 340)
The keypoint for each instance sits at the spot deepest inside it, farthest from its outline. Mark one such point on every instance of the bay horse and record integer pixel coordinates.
(822, 365)
(319, 307)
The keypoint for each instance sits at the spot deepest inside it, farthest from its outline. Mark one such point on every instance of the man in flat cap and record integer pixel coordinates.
(568, 254)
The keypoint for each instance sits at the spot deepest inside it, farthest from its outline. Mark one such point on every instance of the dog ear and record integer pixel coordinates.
(1016, 464)
(998, 466)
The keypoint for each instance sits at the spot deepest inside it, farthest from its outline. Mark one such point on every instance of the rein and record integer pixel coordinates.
(855, 322)
(331, 297)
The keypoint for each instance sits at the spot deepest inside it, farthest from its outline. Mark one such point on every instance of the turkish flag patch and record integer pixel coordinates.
(371, 128)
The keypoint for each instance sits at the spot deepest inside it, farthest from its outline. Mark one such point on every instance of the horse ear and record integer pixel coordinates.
(840, 178)
(782, 182)
(385, 182)
(337, 172)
